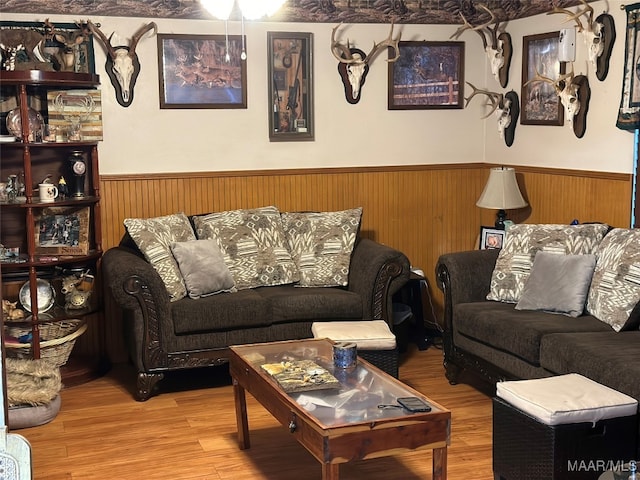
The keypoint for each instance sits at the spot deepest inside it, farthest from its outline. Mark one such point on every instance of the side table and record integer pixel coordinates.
(415, 294)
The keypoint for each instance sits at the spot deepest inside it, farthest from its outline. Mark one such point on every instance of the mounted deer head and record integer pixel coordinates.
(574, 94)
(354, 63)
(122, 63)
(497, 46)
(599, 35)
(506, 108)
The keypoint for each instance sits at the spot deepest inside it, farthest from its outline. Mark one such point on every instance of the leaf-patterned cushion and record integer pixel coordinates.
(321, 244)
(615, 288)
(253, 245)
(521, 244)
(154, 237)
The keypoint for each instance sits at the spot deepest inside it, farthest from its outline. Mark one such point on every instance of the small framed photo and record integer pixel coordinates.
(202, 71)
(491, 238)
(427, 75)
(540, 102)
(62, 231)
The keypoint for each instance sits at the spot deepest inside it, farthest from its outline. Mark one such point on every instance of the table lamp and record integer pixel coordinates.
(502, 193)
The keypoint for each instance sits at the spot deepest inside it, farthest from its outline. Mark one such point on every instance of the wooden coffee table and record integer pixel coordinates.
(342, 424)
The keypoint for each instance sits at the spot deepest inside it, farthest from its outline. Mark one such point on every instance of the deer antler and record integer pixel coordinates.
(343, 52)
(588, 10)
(556, 83)
(138, 35)
(105, 41)
(479, 29)
(496, 99)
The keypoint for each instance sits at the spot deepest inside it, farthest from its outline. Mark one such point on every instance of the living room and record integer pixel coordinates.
(416, 173)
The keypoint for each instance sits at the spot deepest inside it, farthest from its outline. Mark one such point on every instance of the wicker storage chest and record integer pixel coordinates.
(526, 449)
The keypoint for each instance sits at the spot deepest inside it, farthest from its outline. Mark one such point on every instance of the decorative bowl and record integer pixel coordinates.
(14, 124)
(46, 296)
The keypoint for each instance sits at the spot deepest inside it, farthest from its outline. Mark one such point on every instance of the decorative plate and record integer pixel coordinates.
(46, 296)
(14, 125)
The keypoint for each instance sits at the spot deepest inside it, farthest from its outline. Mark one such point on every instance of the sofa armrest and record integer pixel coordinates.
(377, 272)
(140, 292)
(464, 277)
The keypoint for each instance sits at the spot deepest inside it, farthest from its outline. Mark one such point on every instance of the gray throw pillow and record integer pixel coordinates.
(202, 266)
(558, 283)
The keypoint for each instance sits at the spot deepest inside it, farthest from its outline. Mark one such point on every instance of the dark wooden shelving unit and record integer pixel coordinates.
(18, 220)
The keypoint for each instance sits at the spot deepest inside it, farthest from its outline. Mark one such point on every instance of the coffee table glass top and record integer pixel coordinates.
(364, 394)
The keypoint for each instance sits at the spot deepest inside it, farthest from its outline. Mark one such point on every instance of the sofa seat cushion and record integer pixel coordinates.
(609, 358)
(499, 325)
(225, 311)
(288, 303)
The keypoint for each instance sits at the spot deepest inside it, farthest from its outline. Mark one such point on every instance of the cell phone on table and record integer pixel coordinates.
(414, 404)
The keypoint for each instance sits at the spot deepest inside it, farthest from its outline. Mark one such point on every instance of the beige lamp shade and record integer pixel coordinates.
(501, 191)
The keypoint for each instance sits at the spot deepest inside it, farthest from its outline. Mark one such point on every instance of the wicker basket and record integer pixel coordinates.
(56, 341)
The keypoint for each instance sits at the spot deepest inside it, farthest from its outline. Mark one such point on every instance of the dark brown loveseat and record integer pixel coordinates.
(163, 335)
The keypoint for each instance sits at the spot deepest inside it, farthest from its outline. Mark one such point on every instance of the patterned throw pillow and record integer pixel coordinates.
(321, 244)
(154, 237)
(615, 288)
(524, 241)
(253, 245)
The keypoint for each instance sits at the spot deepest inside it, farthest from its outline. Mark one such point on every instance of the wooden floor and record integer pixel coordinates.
(180, 434)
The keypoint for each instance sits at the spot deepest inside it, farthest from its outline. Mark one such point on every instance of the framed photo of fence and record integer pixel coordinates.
(202, 71)
(428, 75)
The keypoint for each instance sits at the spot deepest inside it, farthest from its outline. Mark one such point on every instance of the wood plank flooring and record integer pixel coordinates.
(188, 432)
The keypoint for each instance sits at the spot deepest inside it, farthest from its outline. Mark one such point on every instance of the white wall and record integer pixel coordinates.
(603, 147)
(144, 139)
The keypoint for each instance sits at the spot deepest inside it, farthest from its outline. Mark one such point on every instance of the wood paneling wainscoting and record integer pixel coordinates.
(422, 210)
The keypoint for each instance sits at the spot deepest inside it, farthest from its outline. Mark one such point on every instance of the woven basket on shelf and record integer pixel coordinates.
(56, 341)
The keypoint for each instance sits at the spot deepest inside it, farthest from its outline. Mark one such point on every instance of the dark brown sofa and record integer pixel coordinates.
(495, 342)
(163, 335)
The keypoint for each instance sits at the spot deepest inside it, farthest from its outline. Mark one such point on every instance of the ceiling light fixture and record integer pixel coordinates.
(249, 9)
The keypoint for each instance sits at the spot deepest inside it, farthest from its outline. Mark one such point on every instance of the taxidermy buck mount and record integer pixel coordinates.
(599, 35)
(354, 63)
(122, 63)
(507, 110)
(497, 46)
(574, 94)
(45, 48)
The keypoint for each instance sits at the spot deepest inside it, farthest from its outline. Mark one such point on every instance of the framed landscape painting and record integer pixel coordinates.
(202, 71)
(540, 102)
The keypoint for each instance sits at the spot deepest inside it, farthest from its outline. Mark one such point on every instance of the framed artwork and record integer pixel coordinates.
(202, 71)
(540, 102)
(427, 75)
(62, 231)
(24, 36)
(491, 238)
(290, 70)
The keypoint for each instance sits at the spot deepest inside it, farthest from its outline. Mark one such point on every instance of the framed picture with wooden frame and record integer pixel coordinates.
(428, 75)
(539, 100)
(491, 238)
(202, 71)
(62, 231)
(290, 65)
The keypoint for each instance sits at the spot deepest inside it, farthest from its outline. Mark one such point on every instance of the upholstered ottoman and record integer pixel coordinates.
(563, 428)
(373, 338)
